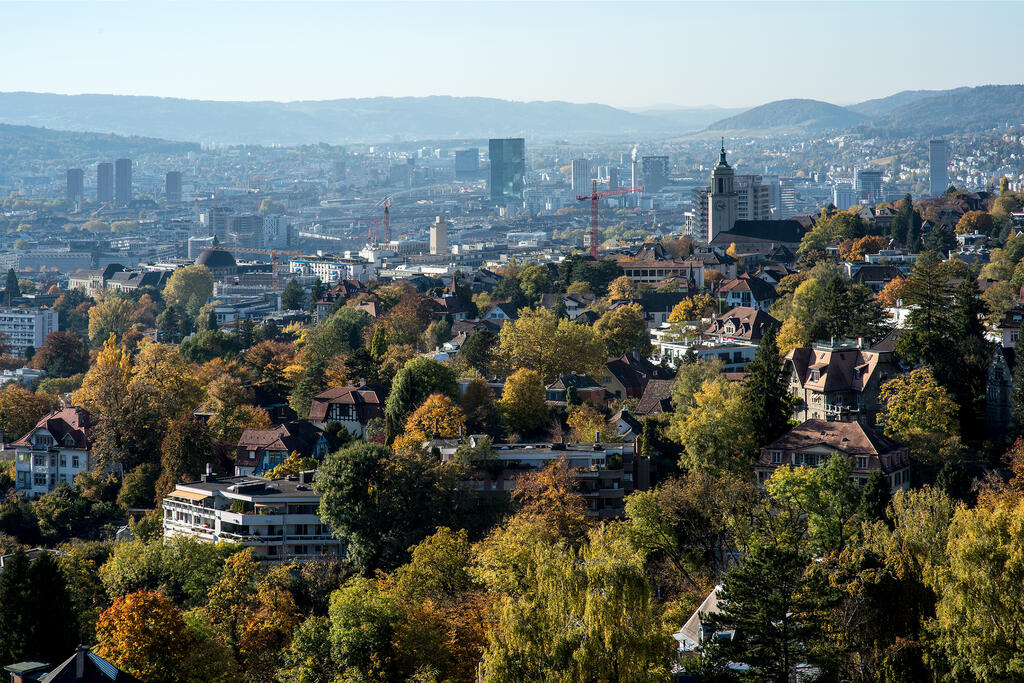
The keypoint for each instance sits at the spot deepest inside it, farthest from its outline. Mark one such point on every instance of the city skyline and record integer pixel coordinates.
(676, 54)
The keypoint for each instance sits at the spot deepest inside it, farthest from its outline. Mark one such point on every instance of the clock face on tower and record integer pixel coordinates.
(720, 205)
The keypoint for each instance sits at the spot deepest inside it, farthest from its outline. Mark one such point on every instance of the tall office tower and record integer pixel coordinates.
(439, 236)
(215, 222)
(655, 172)
(245, 230)
(467, 164)
(508, 169)
(753, 198)
(105, 182)
(613, 177)
(938, 167)
(276, 232)
(581, 181)
(843, 195)
(722, 200)
(76, 184)
(787, 198)
(172, 187)
(632, 175)
(868, 184)
(123, 182)
(699, 225)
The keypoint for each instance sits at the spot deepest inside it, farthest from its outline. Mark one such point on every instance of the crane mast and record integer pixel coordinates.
(595, 198)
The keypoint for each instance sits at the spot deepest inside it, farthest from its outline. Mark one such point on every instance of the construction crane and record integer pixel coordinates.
(272, 253)
(596, 197)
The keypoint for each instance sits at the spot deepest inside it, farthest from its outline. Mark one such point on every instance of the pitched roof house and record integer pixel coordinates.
(260, 450)
(744, 323)
(53, 452)
(748, 291)
(813, 442)
(657, 397)
(350, 406)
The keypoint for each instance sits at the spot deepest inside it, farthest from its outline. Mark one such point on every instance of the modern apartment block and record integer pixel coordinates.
(105, 182)
(26, 327)
(76, 184)
(277, 518)
(581, 184)
(753, 198)
(123, 182)
(172, 187)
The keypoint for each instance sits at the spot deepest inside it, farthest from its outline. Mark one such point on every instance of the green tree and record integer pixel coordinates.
(316, 292)
(774, 605)
(477, 351)
(522, 402)
(874, 498)
(623, 330)
(184, 452)
(314, 380)
(715, 433)
(417, 380)
(539, 341)
(189, 287)
(293, 298)
(379, 344)
(767, 391)
(927, 294)
(13, 290)
(111, 316)
(37, 618)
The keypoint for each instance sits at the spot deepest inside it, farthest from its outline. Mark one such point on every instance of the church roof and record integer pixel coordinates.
(785, 231)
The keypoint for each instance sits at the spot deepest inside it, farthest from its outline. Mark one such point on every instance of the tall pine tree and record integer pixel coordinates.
(767, 392)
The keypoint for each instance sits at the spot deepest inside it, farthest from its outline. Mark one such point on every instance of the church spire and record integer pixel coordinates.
(721, 157)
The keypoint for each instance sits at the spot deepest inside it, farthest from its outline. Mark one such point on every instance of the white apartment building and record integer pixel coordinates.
(26, 327)
(333, 269)
(53, 452)
(753, 198)
(277, 518)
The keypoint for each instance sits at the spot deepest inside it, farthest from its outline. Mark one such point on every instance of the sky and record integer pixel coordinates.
(624, 54)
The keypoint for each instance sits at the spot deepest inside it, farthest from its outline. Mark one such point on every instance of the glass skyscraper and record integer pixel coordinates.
(508, 169)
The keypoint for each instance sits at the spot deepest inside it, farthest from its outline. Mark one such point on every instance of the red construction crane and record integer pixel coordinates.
(594, 198)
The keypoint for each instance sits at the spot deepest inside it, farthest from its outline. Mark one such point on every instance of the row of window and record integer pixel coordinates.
(43, 460)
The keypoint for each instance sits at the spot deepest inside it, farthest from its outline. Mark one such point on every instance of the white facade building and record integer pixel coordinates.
(330, 269)
(277, 518)
(26, 327)
(53, 452)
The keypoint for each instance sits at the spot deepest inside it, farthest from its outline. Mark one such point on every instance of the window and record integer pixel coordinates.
(75, 462)
(63, 460)
(38, 479)
(862, 463)
(776, 458)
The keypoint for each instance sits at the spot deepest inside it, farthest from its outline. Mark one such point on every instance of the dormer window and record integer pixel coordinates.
(815, 375)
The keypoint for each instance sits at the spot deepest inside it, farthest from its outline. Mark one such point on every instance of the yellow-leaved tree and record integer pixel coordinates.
(522, 403)
(540, 341)
(621, 288)
(692, 308)
(437, 416)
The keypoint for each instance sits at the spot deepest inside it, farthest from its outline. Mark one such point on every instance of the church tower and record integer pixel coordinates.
(722, 201)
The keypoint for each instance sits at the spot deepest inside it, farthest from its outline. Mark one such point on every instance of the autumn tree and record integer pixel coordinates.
(522, 402)
(715, 433)
(894, 292)
(975, 221)
(62, 354)
(915, 402)
(540, 341)
(418, 379)
(692, 308)
(438, 416)
(20, 409)
(588, 424)
(189, 287)
(145, 635)
(620, 288)
(232, 408)
(111, 316)
(624, 330)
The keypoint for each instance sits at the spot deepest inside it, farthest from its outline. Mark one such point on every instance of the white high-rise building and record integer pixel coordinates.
(24, 327)
(439, 236)
(753, 198)
(938, 167)
(581, 180)
(722, 201)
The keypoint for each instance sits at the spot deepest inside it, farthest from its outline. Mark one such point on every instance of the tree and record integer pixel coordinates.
(293, 298)
(13, 290)
(624, 330)
(715, 432)
(189, 287)
(773, 603)
(145, 635)
(767, 391)
(874, 498)
(692, 308)
(20, 409)
(522, 402)
(232, 408)
(379, 504)
(478, 350)
(928, 297)
(341, 333)
(482, 415)
(975, 221)
(588, 425)
(417, 380)
(37, 618)
(894, 292)
(542, 342)
(111, 316)
(314, 380)
(316, 292)
(184, 452)
(620, 288)
(915, 402)
(62, 354)
(438, 416)
(379, 344)
(979, 609)
(138, 489)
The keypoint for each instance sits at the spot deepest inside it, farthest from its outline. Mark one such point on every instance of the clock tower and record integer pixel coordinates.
(722, 202)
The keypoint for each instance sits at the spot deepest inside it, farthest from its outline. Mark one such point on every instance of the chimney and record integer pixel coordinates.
(306, 477)
(80, 662)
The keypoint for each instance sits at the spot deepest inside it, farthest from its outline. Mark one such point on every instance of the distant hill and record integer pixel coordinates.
(884, 105)
(335, 121)
(29, 142)
(962, 110)
(689, 118)
(788, 116)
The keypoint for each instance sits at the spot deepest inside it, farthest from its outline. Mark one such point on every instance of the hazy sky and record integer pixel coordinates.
(627, 54)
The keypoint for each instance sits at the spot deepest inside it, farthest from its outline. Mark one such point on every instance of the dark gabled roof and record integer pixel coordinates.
(574, 380)
(748, 323)
(660, 301)
(758, 288)
(851, 438)
(367, 394)
(69, 427)
(788, 231)
(95, 669)
(877, 273)
(288, 437)
(657, 397)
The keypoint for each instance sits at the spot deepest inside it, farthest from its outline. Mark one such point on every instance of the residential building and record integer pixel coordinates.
(813, 442)
(741, 323)
(698, 220)
(581, 178)
(652, 272)
(747, 291)
(938, 167)
(657, 398)
(260, 450)
(105, 182)
(27, 327)
(508, 170)
(723, 210)
(734, 354)
(839, 381)
(75, 184)
(53, 452)
(876, 277)
(277, 518)
(172, 187)
(81, 667)
(351, 406)
(605, 473)
(753, 198)
(123, 182)
(334, 269)
(626, 376)
(584, 387)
